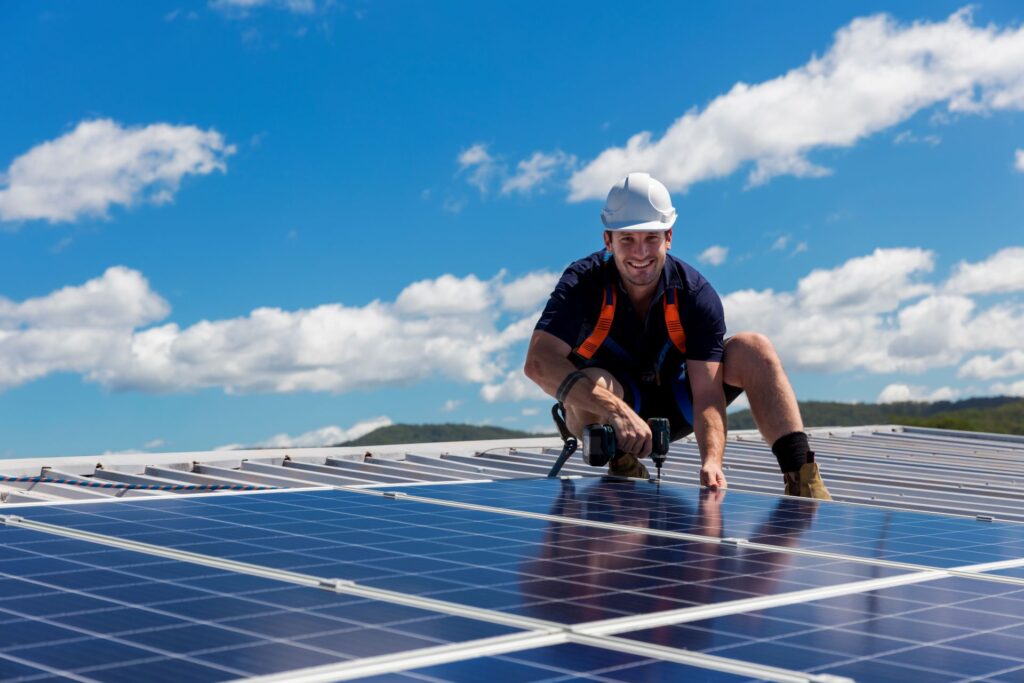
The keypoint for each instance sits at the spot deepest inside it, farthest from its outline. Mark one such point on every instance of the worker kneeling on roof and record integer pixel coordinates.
(631, 332)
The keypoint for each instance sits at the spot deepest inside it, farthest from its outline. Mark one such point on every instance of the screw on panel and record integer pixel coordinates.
(734, 541)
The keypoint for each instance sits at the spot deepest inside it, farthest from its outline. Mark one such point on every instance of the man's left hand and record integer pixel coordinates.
(712, 477)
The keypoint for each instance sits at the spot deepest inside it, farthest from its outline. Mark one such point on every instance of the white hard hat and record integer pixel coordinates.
(638, 202)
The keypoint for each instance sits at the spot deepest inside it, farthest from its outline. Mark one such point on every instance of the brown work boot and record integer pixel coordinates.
(806, 482)
(628, 466)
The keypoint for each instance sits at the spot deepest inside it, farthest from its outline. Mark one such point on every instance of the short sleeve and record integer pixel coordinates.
(704, 323)
(564, 314)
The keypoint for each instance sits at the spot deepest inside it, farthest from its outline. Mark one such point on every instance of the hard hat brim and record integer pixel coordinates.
(649, 226)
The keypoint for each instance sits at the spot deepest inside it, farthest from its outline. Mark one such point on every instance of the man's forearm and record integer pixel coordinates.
(549, 367)
(709, 428)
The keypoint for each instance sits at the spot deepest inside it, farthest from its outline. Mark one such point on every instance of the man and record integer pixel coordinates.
(631, 333)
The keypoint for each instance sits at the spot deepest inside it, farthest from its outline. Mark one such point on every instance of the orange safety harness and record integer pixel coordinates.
(673, 323)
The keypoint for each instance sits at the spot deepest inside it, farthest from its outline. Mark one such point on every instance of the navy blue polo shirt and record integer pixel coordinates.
(633, 344)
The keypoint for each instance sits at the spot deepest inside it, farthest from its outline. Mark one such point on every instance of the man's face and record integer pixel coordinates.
(639, 256)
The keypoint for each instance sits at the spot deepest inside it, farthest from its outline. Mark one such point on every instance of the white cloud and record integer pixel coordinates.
(450, 405)
(986, 367)
(714, 255)
(907, 137)
(536, 170)
(1001, 272)
(781, 242)
(485, 171)
(530, 412)
(1019, 160)
(243, 6)
(877, 74)
(101, 164)
(481, 168)
(896, 393)
(445, 295)
(869, 283)
(514, 386)
(528, 292)
(1008, 389)
(873, 313)
(102, 331)
(155, 443)
(331, 435)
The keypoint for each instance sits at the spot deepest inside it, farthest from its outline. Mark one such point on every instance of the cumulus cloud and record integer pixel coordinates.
(897, 393)
(332, 435)
(1008, 388)
(877, 74)
(528, 292)
(714, 255)
(514, 386)
(1001, 272)
(104, 331)
(874, 313)
(986, 367)
(101, 164)
(445, 295)
(1019, 160)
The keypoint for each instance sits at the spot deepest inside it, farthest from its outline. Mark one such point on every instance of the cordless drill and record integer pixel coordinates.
(599, 443)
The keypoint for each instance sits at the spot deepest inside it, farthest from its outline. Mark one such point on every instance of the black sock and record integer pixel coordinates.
(792, 451)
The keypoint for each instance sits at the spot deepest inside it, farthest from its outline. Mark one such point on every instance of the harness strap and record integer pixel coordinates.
(672, 322)
(604, 325)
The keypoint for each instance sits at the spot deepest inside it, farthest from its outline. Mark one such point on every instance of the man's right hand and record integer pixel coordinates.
(632, 433)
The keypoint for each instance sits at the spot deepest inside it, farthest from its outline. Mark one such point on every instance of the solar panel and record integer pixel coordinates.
(76, 608)
(563, 663)
(541, 580)
(853, 530)
(557, 571)
(950, 629)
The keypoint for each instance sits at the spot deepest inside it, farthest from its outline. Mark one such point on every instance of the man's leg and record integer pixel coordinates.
(752, 364)
(625, 466)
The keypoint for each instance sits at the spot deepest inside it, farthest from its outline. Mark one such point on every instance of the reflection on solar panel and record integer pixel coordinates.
(534, 580)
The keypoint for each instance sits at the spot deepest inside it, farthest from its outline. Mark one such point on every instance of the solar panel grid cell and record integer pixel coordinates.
(554, 568)
(557, 571)
(950, 629)
(109, 615)
(562, 663)
(857, 531)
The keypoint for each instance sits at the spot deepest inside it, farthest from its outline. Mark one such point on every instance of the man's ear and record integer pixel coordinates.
(668, 238)
(608, 240)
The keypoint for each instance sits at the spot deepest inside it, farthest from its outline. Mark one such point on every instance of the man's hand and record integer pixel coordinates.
(632, 433)
(712, 477)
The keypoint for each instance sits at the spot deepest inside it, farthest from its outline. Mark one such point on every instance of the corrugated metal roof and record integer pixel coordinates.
(901, 467)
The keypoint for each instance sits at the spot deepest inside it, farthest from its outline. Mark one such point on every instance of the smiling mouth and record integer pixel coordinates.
(640, 265)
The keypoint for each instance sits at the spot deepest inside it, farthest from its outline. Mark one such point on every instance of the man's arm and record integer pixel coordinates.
(548, 364)
(708, 418)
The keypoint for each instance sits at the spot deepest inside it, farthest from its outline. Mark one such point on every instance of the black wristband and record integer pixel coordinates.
(567, 384)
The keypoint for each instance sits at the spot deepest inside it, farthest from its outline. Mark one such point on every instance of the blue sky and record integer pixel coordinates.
(276, 221)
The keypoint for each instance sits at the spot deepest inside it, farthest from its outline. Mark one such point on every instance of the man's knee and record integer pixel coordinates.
(747, 354)
(750, 345)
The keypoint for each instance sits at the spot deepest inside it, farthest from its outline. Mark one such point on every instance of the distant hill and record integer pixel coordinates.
(432, 433)
(999, 414)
